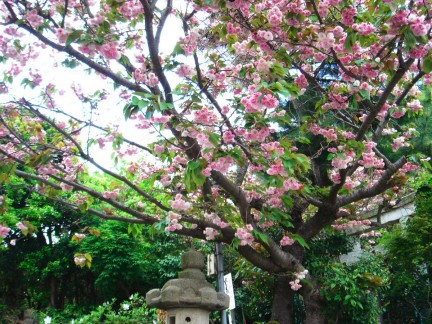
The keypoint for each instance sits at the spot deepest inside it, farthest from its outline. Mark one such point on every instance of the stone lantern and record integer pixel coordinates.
(190, 298)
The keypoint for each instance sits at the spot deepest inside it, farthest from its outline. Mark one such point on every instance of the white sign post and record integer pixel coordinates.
(229, 290)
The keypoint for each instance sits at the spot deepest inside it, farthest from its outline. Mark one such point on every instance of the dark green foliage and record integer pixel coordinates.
(39, 271)
(351, 292)
(123, 264)
(408, 252)
(253, 291)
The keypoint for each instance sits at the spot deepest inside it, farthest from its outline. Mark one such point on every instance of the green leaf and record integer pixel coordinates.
(280, 217)
(235, 243)
(427, 64)
(83, 207)
(198, 177)
(300, 240)
(410, 39)
(279, 88)
(73, 36)
(214, 139)
(242, 72)
(165, 106)
(364, 94)
(194, 176)
(134, 229)
(260, 236)
(231, 38)
(129, 110)
(178, 50)
(350, 41)
(4, 178)
(125, 61)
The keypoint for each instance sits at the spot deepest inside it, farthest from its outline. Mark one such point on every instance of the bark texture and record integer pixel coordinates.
(313, 308)
(283, 301)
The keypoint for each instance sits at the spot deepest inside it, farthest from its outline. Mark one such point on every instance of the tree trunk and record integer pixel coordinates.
(283, 301)
(53, 292)
(313, 307)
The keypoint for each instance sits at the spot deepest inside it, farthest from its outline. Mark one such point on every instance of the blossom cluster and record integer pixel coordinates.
(80, 260)
(257, 101)
(4, 231)
(210, 233)
(179, 204)
(370, 234)
(295, 284)
(174, 224)
(245, 235)
(342, 225)
(286, 240)
(190, 42)
(212, 217)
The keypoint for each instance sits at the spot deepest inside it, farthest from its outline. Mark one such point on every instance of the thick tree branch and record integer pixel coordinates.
(384, 96)
(165, 14)
(153, 46)
(382, 184)
(386, 118)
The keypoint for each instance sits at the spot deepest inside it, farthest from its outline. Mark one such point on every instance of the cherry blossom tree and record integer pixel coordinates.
(210, 115)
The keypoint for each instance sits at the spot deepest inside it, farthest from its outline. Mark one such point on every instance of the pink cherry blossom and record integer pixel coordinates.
(369, 160)
(159, 149)
(34, 19)
(277, 169)
(244, 235)
(210, 233)
(205, 116)
(96, 20)
(190, 42)
(418, 52)
(228, 137)
(342, 161)
(398, 113)
(295, 285)
(203, 140)
(185, 71)
(21, 226)
(370, 234)
(348, 16)
(231, 29)
(131, 9)
(414, 105)
(79, 236)
(109, 50)
(174, 224)
(420, 28)
(80, 261)
(301, 275)
(275, 16)
(62, 35)
(179, 204)
(342, 225)
(4, 231)
(325, 40)
(292, 184)
(399, 142)
(286, 240)
(111, 194)
(364, 28)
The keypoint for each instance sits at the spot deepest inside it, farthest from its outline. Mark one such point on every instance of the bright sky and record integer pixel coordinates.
(110, 110)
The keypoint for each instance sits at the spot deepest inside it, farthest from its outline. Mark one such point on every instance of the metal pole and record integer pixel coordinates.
(220, 276)
(232, 316)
